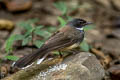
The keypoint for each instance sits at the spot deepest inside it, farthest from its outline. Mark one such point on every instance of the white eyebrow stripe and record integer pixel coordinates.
(79, 28)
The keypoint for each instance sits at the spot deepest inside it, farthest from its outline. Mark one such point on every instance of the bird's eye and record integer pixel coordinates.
(80, 21)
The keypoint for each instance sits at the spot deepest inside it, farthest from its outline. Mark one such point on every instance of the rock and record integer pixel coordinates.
(116, 4)
(92, 34)
(82, 66)
(109, 46)
(6, 24)
(17, 5)
(4, 69)
(116, 33)
(115, 72)
(105, 3)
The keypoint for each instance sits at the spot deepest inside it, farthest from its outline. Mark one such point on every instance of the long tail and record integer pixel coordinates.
(30, 58)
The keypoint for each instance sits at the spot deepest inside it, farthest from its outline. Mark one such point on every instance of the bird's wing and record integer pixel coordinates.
(57, 41)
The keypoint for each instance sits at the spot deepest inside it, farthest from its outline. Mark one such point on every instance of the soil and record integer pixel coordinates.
(104, 38)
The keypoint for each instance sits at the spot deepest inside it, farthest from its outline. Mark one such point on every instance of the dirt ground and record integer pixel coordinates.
(104, 38)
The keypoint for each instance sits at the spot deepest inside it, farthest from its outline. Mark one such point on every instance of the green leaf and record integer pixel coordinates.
(9, 43)
(28, 27)
(39, 27)
(19, 37)
(45, 34)
(56, 52)
(28, 33)
(84, 46)
(38, 43)
(69, 18)
(25, 25)
(89, 27)
(31, 21)
(51, 28)
(26, 40)
(11, 57)
(61, 6)
(62, 21)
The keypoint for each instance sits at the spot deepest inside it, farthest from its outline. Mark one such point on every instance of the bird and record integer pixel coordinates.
(66, 38)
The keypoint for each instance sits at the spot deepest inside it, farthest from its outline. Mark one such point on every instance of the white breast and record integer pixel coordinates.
(79, 29)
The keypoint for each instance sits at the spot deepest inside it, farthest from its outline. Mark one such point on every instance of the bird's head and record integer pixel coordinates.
(78, 23)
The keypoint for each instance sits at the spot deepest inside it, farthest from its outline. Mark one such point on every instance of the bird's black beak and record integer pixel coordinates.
(87, 23)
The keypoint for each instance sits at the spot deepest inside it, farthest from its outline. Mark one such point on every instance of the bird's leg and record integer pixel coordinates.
(74, 51)
(60, 54)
